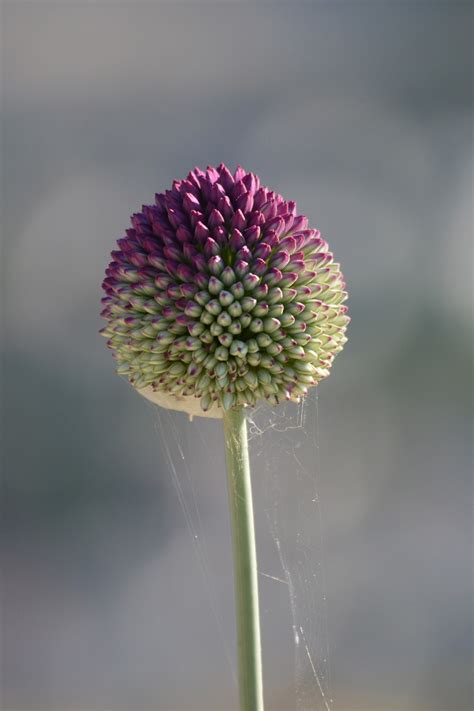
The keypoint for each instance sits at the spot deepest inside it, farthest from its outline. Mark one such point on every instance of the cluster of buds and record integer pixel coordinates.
(220, 292)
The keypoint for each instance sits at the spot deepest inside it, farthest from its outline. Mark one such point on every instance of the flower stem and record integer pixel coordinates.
(245, 561)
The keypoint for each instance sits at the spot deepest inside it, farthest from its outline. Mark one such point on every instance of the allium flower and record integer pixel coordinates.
(220, 292)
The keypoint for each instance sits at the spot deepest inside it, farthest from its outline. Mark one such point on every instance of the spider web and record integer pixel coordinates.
(284, 453)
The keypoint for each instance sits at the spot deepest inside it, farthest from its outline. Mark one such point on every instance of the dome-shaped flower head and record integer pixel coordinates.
(220, 295)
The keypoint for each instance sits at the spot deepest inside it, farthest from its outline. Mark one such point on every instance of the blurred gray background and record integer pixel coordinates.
(362, 112)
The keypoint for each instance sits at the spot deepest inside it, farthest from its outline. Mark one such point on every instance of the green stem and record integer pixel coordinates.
(245, 561)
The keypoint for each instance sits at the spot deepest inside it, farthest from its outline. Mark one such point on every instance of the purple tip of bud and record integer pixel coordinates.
(216, 192)
(262, 250)
(160, 201)
(281, 259)
(181, 303)
(251, 182)
(225, 207)
(192, 309)
(211, 247)
(238, 220)
(201, 279)
(176, 217)
(299, 239)
(256, 219)
(239, 173)
(206, 187)
(244, 253)
(184, 234)
(212, 173)
(261, 290)
(168, 312)
(226, 177)
(214, 284)
(189, 250)
(138, 259)
(215, 219)
(157, 261)
(201, 232)
(216, 264)
(244, 202)
(288, 244)
(300, 223)
(182, 319)
(251, 281)
(172, 253)
(238, 191)
(252, 235)
(195, 216)
(289, 278)
(241, 267)
(323, 258)
(236, 240)
(219, 233)
(259, 266)
(171, 267)
(276, 224)
(298, 265)
(173, 291)
(184, 272)
(260, 198)
(191, 202)
(199, 262)
(269, 210)
(273, 276)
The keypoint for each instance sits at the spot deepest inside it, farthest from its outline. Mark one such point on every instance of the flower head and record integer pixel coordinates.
(220, 292)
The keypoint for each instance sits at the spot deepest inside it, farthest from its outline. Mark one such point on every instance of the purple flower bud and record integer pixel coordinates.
(201, 232)
(215, 285)
(259, 266)
(256, 219)
(211, 247)
(288, 279)
(191, 202)
(244, 202)
(217, 192)
(215, 219)
(225, 207)
(157, 261)
(244, 253)
(184, 234)
(184, 272)
(195, 216)
(238, 220)
(193, 309)
(260, 291)
(251, 182)
(269, 210)
(216, 265)
(300, 223)
(252, 235)
(262, 250)
(237, 240)
(241, 267)
(280, 260)
(226, 177)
